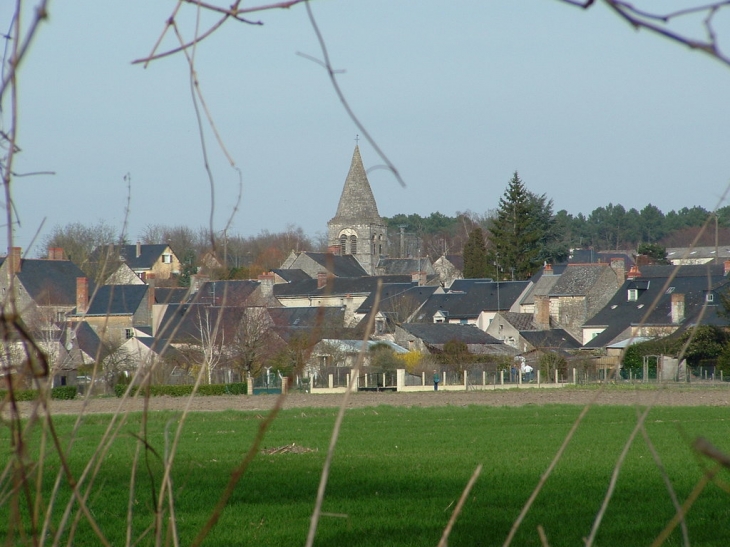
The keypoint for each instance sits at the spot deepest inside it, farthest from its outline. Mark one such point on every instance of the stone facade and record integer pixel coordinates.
(357, 228)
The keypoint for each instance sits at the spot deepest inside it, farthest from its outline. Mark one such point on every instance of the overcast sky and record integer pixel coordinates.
(458, 94)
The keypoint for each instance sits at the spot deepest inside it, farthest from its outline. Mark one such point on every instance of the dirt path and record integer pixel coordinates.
(695, 396)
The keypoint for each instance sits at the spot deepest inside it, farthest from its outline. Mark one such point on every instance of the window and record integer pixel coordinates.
(128, 333)
(709, 297)
(343, 245)
(633, 295)
(353, 245)
(167, 259)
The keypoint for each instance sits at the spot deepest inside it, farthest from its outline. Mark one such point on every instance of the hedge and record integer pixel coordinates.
(182, 391)
(63, 392)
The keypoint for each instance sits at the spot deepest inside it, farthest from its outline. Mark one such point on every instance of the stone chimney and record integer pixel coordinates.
(542, 311)
(633, 272)
(727, 267)
(321, 279)
(677, 308)
(56, 253)
(14, 256)
(267, 284)
(419, 277)
(82, 295)
(547, 270)
(138, 251)
(619, 267)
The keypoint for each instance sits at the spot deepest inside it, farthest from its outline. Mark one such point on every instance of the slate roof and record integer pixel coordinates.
(50, 282)
(391, 296)
(620, 313)
(167, 295)
(481, 296)
(308, 317)
(181, 322)
(355, 346)
(590, 256)
(149, 254)
(405, 266)
(520, 321)
(550, 339)
(578, 279)
(357, 202)
(82, 336)
(292, 275)
(232, 293)
(338, 265)
(441, 333)
(116, 299)
(542, 286)
(339, 285)
(697, 253)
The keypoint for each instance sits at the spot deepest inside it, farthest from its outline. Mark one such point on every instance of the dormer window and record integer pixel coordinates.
(709, 297)
(633, 295)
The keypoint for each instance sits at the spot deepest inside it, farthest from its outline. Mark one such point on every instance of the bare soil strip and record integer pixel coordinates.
(670, 396)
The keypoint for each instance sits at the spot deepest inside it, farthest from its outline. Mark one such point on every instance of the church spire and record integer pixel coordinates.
(357, 201)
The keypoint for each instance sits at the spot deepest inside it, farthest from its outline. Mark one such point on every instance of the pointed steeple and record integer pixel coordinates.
(357, 202)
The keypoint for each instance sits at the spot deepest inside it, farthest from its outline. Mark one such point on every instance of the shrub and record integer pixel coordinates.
(65, 393)
(185, 390)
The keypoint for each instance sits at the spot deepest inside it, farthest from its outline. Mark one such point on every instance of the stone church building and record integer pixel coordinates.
(357, 229)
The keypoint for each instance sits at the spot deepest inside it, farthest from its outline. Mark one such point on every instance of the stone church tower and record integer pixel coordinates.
(357, 228)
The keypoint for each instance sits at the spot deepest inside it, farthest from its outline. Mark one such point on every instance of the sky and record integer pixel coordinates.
(459, 95)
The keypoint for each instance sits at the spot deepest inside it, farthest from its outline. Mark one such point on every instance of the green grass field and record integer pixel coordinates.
(398, 472)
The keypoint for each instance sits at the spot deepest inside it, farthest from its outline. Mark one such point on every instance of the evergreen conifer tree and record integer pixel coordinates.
(475, 255)
(514, 235)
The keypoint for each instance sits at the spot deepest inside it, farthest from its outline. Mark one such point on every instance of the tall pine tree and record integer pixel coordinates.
(475, 255)
(514, 251)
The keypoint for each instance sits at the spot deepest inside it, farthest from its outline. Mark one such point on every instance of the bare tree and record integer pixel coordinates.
(254, 340)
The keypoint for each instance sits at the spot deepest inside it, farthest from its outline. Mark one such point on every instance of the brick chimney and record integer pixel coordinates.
(619, 267)
(633, 272)
(150, 278)
(547, 270)
(82, 295)
(334, 249)
(267, 284)
(138, 251)
(542, 311)
(727, 267)
(419, 277)
(677, 308)
(56, 253)
(321, 279)
(14, 256)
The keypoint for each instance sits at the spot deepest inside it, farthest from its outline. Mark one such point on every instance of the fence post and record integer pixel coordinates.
(575, 380)
(484, 378)
(400, 379)
(249, 384)
(331, 380)
(384, 379)
(501, 377)
(557, 376)
(538, 377)
(347, 379)
(519, 376)
(465, 378)
(423, 378)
